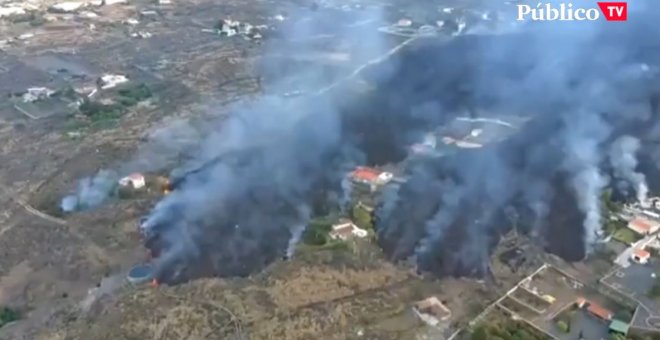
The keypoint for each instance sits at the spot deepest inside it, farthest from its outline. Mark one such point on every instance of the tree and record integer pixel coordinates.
(480, 333)
(608, 204)
(317, 232)
(563, 326)
(7, 315)
(362, 217)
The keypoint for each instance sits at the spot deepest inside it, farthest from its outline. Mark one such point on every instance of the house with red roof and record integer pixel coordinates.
(595, 309)
(643, 226)
(371, 176)
(640, 255)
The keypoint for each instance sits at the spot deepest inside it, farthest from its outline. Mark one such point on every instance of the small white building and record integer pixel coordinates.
(108, 81)
(67, 7)
(136, 181)
(346, 229)
(11, 10)
(641, 256)
(432, 311)
(34, 94)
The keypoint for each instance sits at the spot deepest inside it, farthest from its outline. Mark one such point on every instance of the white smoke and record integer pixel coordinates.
(297, 231)
(584, 134)
(91, 191)
(589, 183)
(624, 162)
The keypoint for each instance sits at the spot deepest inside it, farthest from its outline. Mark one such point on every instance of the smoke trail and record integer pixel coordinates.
(436, 226)
(91, 191)
(387, 201)
(346, 193)
(583, 136)
(624, 161)
(297, 232)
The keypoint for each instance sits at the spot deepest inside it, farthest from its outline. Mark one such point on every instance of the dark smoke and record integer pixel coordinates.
(571, 89)
(552, 171)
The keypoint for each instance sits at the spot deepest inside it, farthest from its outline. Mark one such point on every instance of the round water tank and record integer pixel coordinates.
(140, 273)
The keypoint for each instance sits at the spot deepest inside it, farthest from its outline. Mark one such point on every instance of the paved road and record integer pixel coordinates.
(623, 259)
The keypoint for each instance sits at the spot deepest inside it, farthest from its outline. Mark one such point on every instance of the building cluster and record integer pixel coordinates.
(649, 209)
(644, 220)
(228, 27)
(615, 326)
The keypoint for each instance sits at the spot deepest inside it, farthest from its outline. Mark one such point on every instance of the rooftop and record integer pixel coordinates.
(434, 307)
(641, 253)
(366, 174)
(344, 230)
(641, 224)
(599, 311)
(619, 326)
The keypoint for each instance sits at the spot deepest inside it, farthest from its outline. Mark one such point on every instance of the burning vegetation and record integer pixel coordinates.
(257, 178)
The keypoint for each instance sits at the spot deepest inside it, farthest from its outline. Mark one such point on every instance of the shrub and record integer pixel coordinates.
(480, 333)
(563, 326)
(362, 217)
(316, 232)
(98, 111)
(132, 95)
(7, 315)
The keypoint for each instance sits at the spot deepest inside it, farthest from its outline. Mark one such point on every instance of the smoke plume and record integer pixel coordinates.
(91, 191)
(623, 159)
(548, 101)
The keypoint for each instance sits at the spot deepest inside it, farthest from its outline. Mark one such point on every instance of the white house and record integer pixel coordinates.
(345, 229)
(136, 181)
(432, 311)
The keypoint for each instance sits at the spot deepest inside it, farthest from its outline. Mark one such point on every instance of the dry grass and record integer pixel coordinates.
(312, 285)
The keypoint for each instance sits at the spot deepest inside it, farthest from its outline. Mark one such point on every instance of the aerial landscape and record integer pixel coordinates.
(327, 169)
